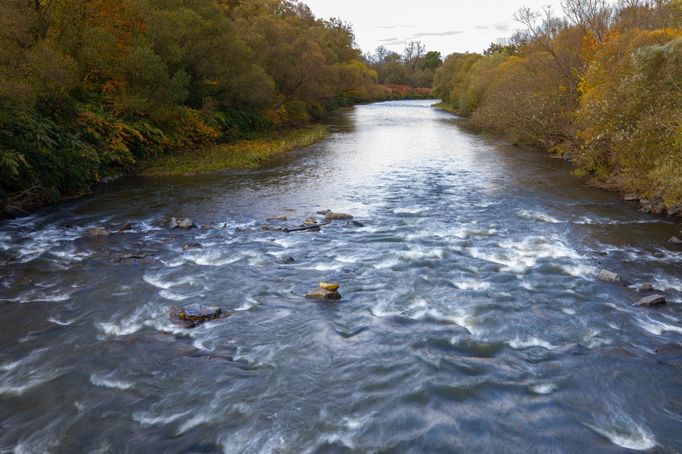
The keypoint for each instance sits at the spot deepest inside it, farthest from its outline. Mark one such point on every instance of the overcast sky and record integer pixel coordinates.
(445, 25)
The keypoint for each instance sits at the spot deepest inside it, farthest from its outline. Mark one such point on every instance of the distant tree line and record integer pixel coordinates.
(415, 67)
(87, 85)
(600, 85)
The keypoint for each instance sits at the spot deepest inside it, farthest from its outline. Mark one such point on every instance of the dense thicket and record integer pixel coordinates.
(602, 86)
(415, 67)
(90, 84)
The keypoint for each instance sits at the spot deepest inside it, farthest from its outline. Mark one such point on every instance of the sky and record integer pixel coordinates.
(444, 25)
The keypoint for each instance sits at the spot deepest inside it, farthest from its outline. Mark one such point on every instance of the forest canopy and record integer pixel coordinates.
(91, 84)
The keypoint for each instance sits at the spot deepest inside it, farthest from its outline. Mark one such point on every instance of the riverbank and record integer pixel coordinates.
(241, 154)
(647, 204)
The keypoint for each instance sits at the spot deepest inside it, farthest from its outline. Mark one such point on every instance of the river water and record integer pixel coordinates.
(471, 319)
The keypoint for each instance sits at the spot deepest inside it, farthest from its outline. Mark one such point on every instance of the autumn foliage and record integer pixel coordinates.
(600, 86)
(95, 86)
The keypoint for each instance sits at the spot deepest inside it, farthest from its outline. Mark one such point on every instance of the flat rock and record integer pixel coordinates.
(608, 276)
(631, 197)
(329, 286)
(322, 294)
(277, 219)
(310, 221)
(652, 300)
(95, 232)
(199, 312)
(331, 216)
(324, 212)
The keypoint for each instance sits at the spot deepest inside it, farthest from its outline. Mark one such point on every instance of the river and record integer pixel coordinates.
(471, 318)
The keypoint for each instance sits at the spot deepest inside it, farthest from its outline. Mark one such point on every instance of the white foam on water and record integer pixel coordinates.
(119, 329)
(157, 281)
(326, 266)
(60, 322)
(193, 422)
(388, 262)
(538, 216)
(622, 431)
(464, 233)
(249, 303)
(544, 388)
(521, 256)
(419, 253)
(411, 210)
(146, 419)
(657, 327)
(529, 342)
(11, 388)
(108, 382)
(568, 311)
(214, 258)
(173, 296)
(472, 284)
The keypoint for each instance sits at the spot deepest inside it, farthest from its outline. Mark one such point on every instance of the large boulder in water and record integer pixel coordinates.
(198, 312)
(652, 300)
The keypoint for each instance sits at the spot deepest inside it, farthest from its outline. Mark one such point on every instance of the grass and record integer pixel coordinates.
(444, 106)
(242, 154)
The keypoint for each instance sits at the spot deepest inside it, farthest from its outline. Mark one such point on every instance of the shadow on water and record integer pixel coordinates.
(471, 317)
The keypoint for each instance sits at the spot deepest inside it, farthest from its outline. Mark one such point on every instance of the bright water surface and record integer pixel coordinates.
(471, 318)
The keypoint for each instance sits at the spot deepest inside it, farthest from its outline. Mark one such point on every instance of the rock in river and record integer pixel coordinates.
(675, 240)
(277, 219)
(331, 216)
(188, 246)
(197, 313)
(96, 232)
(326, 291)
(182, 223)
(652, 300)
(608, 276)
(645, 288)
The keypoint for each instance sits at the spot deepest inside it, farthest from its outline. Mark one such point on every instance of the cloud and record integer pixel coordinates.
(430, 34)
(502, 26)
(391, 27)
(483, 27)
(388, 40)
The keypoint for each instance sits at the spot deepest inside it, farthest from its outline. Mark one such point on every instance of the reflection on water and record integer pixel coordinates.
(471, 319)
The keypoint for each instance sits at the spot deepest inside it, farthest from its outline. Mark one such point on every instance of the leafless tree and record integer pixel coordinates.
(593, 16)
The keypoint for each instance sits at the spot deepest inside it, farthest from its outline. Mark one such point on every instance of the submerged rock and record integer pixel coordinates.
(277, 219)
(129, 256)
(322, 294)
(652, 300)
(188, 246)
(287, 260)
(355, 224)
(645, 288)
(608, 276)
(324, 212)
(96, 232)
(125, 227)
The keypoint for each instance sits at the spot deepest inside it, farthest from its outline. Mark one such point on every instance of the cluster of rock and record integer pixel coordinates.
(654, 206)
(653, 297)
(310, 224)
(326, 291)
